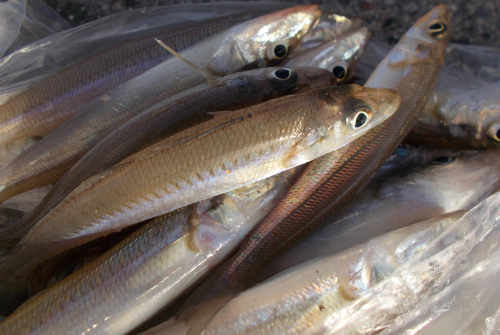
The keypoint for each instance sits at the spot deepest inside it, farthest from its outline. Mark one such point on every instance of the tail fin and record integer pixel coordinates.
(207, 300)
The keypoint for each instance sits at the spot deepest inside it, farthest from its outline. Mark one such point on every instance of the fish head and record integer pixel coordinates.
(329, 27)
(420, 51)
(432, 27)
(469, 119)
(290, 79)
(340, 55)
(366, 107)
(337, 56)
(264, 41)
(347, 112)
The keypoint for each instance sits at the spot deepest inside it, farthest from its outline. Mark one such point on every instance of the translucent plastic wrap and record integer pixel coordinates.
(444, 278)
(53, 53)
(292, 300)
(39, 22)
(11, 16)
(480, 61)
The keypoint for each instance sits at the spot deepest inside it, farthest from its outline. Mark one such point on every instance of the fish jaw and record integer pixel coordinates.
(254, 42)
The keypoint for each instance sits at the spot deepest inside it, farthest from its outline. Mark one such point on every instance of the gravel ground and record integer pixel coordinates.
(474, 22)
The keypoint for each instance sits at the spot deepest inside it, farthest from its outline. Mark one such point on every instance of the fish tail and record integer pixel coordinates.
(207, 300)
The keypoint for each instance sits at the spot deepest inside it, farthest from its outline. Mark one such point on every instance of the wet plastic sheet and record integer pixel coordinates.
(11, 16)
(45, 57)
(419, 296)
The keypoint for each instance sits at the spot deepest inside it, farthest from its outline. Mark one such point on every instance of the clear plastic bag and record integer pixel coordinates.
(419, 295)
(45, 57)
(39, 22)
(11, 16)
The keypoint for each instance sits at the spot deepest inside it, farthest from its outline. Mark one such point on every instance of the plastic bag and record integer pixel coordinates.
(468, 251)
(480, 61)
(39, 22)
(11, 16)
(45, 57)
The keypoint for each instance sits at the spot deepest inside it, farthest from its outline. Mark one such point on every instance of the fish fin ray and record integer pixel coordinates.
(207, 76)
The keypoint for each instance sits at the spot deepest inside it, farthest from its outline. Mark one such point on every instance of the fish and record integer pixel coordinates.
(217, 156)
(330, 182)
(406, 158)
(154, 265)
(58, 98)
(168, 117)
(238, 48)
(461, 113)
(446, 184)
(330, 27)
(433, 272)
(459, 119)
(44, 58)
(338, 56)
(294, 300)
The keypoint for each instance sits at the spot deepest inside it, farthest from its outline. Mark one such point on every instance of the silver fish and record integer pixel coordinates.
(338, 56)
(154, 266)
(294, 300)
(445, 185)
(244, 46)
(214, 157)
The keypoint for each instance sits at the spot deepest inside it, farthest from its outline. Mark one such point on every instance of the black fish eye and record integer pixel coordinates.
(339, 72)
(437, 28)
(443, 160)
(282, 74)
(280, 51)
(360, 120)
(494, 133)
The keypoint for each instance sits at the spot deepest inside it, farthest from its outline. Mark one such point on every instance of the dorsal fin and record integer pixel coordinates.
(207, 76)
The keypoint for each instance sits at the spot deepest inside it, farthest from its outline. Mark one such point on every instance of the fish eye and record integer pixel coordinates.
(283, 74)
(339, 72)
(437, 28)
(494, 133)
(442, 160)
(361, 118)
(280, 51)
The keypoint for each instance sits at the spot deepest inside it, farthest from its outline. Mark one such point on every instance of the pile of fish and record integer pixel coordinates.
(248, 168)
